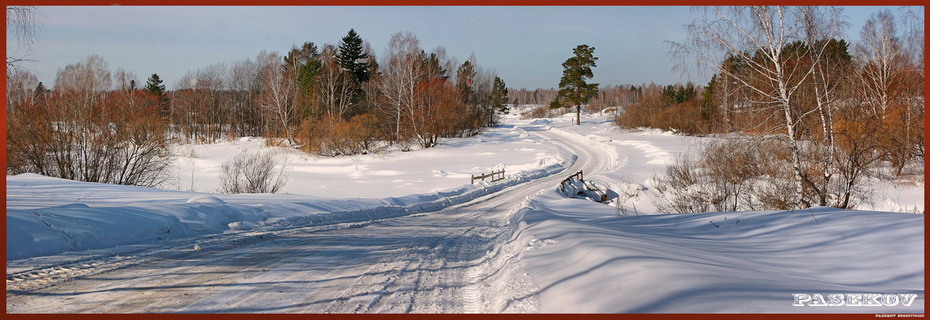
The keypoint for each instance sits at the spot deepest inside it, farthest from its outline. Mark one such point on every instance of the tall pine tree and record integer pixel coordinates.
(352, 57)
(156, 87)
(499, 96)
(574, 87)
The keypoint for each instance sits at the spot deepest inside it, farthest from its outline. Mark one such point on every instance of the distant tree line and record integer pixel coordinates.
(95, 125)
(609, 98)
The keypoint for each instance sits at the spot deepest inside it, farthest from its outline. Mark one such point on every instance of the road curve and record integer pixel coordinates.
(448, 261)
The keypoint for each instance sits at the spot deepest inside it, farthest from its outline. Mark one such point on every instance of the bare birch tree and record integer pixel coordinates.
(23, 23)
(244, 82)
(891, 83)
(402, 69)
(334, 86)
(279, 93)
(759, 37)
(20, 89)
(880, 53)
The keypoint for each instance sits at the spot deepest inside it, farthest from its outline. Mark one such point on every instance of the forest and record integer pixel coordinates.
(98, 125)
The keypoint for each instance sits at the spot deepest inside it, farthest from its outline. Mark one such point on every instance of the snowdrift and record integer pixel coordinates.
(584, 258)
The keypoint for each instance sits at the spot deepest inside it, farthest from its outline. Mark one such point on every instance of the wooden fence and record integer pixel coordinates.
(579, 175)
(495, 176)
(602, 196)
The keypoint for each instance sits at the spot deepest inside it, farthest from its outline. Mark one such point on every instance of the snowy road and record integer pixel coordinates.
(451, 261)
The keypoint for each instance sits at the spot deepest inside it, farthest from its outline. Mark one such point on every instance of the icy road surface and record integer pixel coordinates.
(448, 261)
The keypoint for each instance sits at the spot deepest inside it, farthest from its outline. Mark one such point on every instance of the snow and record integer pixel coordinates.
(448, 165)
(49, 215)
(553, 254)
(584, 258)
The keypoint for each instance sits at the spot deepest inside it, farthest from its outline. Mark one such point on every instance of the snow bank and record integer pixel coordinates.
(584, 258)
(49, 215)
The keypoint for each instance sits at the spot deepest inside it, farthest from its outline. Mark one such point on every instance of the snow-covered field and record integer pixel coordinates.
(406, 232)
(390, 173)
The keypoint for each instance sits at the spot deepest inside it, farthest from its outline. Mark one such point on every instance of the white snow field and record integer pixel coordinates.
(405, 232)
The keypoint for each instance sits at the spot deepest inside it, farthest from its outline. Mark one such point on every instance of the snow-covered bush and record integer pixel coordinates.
(253, 172)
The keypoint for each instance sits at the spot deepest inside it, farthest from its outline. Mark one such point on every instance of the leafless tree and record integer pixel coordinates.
(199, 105)
(760, 38)
(880, 52)
(244, 83)
(279, 93)
(20, 88)
(334, 86)
(891, 83)
(822, 25)
(86, 131)
(401, 70)
(23, 23)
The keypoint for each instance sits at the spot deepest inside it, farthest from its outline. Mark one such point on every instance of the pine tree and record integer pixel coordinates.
(39, 92)
(573, 86)
(499, 95)
(352, 57)
(463, 80)
(155, 86)
(707, 98)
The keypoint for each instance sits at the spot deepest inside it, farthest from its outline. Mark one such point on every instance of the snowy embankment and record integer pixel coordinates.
(49, 216)
(587, 257)
(584, 258)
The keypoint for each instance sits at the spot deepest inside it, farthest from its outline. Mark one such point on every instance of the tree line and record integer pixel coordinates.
(100, 126)
(809, 116)
(805, 116)
(609, 97)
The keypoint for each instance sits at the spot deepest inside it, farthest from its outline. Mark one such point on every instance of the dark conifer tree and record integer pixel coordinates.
(463, 81)
(352, 57)
(39, 92)
(155, 86)
(499, 95)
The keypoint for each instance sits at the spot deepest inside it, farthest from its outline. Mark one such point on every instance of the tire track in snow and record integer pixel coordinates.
(471, 293)
(450, 260)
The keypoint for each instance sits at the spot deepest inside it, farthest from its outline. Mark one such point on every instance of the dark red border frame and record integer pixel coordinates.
(460, 2)
(447, 3)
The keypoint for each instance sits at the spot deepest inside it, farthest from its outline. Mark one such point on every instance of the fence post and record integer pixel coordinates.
(492, 175)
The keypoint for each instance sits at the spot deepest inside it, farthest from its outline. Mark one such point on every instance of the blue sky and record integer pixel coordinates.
(524, 45)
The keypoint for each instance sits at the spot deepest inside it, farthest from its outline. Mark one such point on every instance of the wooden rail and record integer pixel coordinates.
(495, 176)
(579, 175)
(588, 187)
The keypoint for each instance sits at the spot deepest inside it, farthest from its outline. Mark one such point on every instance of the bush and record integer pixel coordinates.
(118, 139)
(729, 175)
(661, 112)
(332, 136)
(253, 172)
